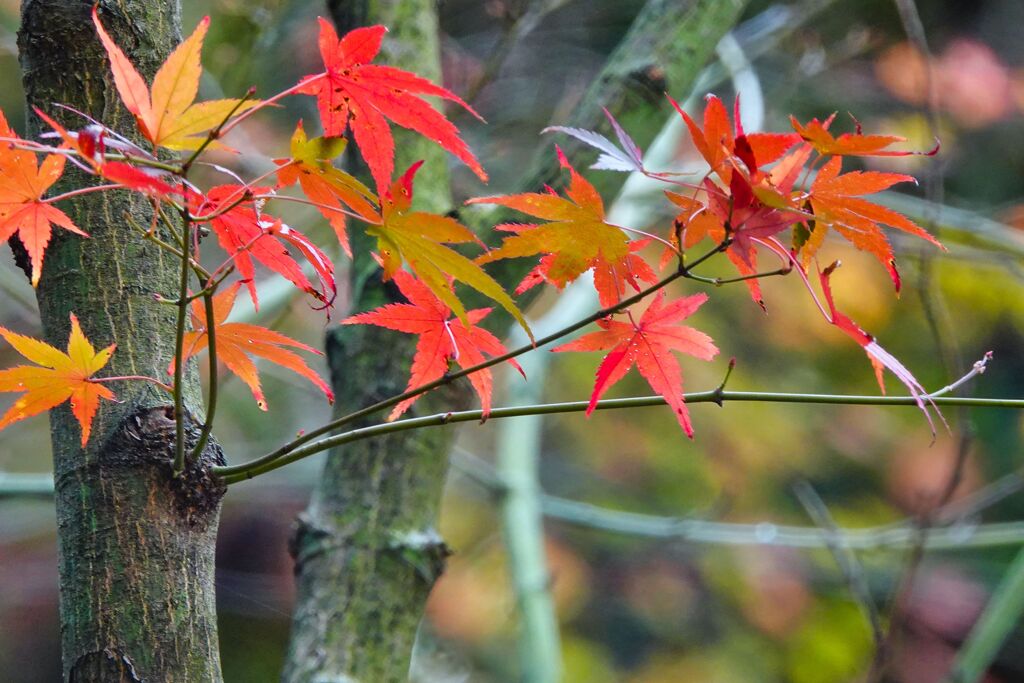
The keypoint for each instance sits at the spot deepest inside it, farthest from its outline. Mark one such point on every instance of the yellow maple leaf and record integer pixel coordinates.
(56, 377)
(168, 115)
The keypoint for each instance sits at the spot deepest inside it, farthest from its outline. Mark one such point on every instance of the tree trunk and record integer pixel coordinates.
(366, 550)
(136, 546)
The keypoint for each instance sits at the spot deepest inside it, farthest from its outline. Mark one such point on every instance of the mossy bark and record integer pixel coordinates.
(136, 546)
(366, 549)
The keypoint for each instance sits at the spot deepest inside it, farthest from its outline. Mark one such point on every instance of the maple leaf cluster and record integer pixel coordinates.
(758, 186)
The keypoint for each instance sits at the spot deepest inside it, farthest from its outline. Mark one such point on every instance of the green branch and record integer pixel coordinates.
(719, 281)
(211, 346)
(235, 473)
(1000, 617)
(179, 343)
(447, 379)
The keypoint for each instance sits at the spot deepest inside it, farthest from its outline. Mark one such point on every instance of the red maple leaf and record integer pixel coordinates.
(354, 93)
(739, 214)
(443, 339)
(879, 357)
(648, 344)
(247, 234)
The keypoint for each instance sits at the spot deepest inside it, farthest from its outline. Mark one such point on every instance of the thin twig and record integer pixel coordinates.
(451, 377)
(719, 281)
(262, 104)
(978, 368)
(179, 345)
(80, 191)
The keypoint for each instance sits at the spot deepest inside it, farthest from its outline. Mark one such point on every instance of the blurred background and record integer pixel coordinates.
(669, 560)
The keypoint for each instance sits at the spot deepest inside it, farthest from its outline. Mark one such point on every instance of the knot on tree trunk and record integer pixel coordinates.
(146, 439)
(425, 551)
(106, 666)
(422, 550)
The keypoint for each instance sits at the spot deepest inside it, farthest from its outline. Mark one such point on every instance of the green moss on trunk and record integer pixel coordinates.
(366, 550)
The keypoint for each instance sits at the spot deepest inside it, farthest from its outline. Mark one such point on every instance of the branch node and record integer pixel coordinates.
(718, 394)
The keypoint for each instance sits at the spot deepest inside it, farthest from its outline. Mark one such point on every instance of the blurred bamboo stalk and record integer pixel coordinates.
(517, 460)
(26, 485)
(519, 439)
(956, 535)
(997, 621)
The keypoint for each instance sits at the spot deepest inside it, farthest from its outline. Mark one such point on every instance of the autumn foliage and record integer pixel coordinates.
(774, 196)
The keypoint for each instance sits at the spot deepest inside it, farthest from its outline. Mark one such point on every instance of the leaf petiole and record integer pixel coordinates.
(133, 378)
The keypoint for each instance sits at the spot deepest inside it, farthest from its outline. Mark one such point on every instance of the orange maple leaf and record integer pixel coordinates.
(719, 144)
(442, 340)
(236, 342)
(56, 378)
(648, 344)
(835, 200)
(576, 238)
(418, 238)
(817, 134)
(167, 116)
(610, 279)
(22, 208)
(351, 92)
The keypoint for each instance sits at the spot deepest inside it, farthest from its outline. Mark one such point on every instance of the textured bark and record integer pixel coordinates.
(136, 546)
(366, 550)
